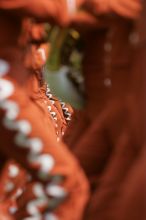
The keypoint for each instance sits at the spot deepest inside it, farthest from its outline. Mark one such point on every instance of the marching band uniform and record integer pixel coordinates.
(56, 179)
(109, 134)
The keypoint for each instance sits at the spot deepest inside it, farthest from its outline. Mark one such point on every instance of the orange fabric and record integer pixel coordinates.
(84, 21)
(30, 161)
(36, 142)
(3, 213)
(109, 135)
(36, 57)
(56, 11)
(124, 196)
(129, 9)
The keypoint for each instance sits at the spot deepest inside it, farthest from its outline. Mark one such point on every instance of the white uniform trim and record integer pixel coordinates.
(4, 67)
(71, 5)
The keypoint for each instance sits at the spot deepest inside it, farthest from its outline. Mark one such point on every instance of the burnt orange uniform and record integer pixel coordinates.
(109, 136)
(36, 55)
(33, 36)
(55, 179)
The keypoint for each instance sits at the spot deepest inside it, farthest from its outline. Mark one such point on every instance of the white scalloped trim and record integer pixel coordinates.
(4, 67)
(6, 89)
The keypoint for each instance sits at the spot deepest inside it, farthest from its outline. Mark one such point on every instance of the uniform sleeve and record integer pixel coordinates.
(118, 197)
(129, 9)
(26, 137)
(85, 21)
(57, 11)
(101, 14)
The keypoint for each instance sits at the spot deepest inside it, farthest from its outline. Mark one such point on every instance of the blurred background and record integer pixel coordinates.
(63, 70)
